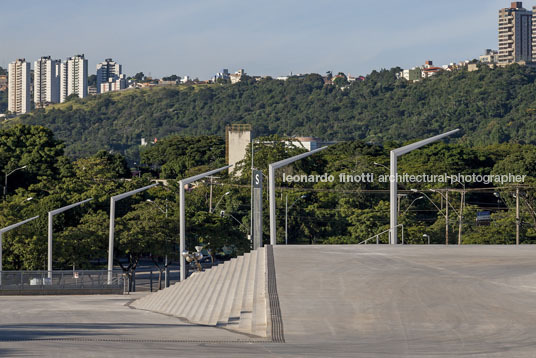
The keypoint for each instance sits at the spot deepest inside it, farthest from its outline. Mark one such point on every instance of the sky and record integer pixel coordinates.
(270, 37)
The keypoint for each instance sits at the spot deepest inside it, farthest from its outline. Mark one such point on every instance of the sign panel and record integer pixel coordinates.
(257, 209)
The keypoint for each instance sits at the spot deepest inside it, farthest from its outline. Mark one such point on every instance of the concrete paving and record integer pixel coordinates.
(336, 301)
(411, 301)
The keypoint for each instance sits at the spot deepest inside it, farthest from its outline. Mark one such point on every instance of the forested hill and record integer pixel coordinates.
(490, 105)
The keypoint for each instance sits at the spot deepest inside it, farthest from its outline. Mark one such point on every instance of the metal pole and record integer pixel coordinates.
(50, 219)
(461, 218)
(447, 218)
(251, 198)
(271, 185)
(1, 258)
(111, 241)
(166, 278)
(286, 219)
(5, 185)
(6, 229)
(210, 197)
(517, 219)
(393, 240)
(182, 223)
(393, 180)
(49, 265)
(271, 179)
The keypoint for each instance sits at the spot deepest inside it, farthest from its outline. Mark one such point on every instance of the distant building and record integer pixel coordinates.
(46, 81)
(106, 71)
(92, 90)
(308, 143)
(114, 84)
(19, 86)
(515, 34)
(223, 75)
(418, 73)
(490, 56)
(237, 76)
(73, 77)
(237, 139)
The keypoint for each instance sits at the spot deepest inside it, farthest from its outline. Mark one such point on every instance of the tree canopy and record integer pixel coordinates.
(491, 106)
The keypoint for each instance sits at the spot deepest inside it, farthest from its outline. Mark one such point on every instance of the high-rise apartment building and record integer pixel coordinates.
(114, 85)
(19, 86)
(46, 81)
(73, 77)
(515, 34)
(106, 71)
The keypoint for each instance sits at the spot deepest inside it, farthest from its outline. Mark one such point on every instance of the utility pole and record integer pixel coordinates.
(447, 217)
(518, 221)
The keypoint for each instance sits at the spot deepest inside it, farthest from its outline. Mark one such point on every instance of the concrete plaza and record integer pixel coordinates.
(336, 301)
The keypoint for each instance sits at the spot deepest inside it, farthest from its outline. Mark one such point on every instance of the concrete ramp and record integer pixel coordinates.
(232, 295)
(409, 301)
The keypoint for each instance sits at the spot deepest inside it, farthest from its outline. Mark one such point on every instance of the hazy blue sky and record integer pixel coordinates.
(275, 37)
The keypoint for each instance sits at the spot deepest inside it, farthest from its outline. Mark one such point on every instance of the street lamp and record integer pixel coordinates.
(427, 237)
(446, 214)
(462, 205)
(223, 213)
(5, 179)
(405, 211)
(218, 203)
(381, 165)
(165, 212)
(287, 208)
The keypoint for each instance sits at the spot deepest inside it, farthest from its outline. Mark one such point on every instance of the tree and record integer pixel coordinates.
(92, 80)
(34, 147)
(175, 155)
(139, 77)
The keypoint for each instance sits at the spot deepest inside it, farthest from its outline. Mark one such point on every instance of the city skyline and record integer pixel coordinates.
(271, 39)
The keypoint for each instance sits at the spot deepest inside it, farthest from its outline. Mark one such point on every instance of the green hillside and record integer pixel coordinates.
(490, 105)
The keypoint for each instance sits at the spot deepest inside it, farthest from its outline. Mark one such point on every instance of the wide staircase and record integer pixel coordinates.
(232, 295)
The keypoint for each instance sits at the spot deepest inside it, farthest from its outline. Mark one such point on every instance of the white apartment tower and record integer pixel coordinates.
(46, 81)
(107, 71)
(515, 34)
(73, 77)
(19, 86)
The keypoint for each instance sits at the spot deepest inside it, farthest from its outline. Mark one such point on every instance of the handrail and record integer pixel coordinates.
(377, 236)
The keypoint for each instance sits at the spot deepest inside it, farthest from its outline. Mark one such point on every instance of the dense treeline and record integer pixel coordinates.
(490, 105)
(218, 210)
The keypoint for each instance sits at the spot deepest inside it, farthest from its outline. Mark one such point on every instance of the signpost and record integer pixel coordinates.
(257, 209)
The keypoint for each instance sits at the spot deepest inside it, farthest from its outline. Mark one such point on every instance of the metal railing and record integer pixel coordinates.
(377, 237)
(72, 280)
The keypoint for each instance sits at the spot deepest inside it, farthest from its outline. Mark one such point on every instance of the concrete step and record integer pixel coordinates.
(260, 295)
(236, 307)
(246, 310)
(186, 294)
(231, 295)
(206, 289)
(218, 293)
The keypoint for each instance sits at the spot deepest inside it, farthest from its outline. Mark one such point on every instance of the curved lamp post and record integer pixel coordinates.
(111, 238)
(271, 182)
(7, 175)
(394, 182)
